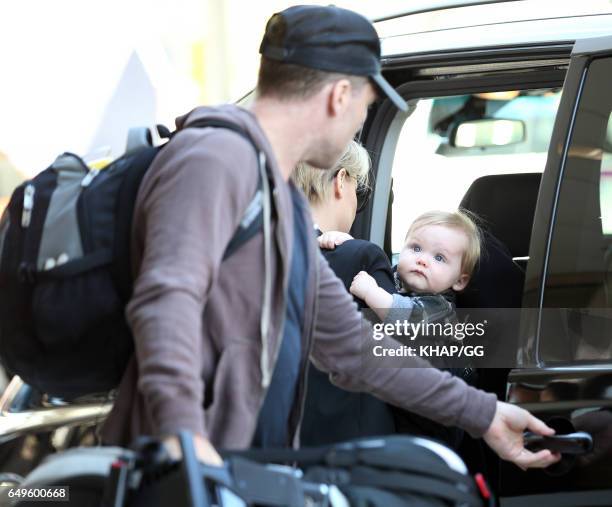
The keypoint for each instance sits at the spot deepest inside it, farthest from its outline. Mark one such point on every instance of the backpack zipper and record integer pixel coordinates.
(89, 177)
(28, 205)
(83, 213)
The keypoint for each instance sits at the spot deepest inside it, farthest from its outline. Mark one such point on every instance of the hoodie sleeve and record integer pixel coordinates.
(417, 386)
(190, 204)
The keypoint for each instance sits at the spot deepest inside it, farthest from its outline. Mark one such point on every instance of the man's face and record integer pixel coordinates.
(350, 109)
(431, 259)
(362, 98)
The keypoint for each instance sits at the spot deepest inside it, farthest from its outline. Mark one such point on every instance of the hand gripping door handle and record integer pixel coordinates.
(579, 442)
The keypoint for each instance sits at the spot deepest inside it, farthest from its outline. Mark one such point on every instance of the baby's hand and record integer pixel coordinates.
(362, 284)
(330, 239)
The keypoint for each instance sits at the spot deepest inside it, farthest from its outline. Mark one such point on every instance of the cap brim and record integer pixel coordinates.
(382, 84)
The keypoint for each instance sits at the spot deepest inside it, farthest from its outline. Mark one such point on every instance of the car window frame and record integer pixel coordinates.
(382, 129)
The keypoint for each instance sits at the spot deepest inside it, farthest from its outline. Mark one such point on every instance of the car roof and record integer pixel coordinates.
(508, 23)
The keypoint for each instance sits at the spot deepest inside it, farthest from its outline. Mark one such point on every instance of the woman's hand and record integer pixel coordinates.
(330, 239)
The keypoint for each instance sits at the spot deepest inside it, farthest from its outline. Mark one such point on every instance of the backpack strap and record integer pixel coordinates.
(252, 218)
(250, 224)
(256, 217)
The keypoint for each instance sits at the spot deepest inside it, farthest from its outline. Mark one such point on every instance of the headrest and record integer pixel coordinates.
(497, 281)
(506, 204)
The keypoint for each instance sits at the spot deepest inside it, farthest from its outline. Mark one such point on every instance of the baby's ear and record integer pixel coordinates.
(461, 283)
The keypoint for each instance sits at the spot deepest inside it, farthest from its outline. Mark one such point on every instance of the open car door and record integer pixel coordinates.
(565, 361)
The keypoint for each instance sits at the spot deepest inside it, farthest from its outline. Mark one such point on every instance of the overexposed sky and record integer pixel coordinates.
(62, 64)
(77, 73)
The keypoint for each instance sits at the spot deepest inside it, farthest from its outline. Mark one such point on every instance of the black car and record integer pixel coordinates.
(511, 118)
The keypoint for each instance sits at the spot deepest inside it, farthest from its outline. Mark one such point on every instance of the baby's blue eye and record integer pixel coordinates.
(416, 248)
(439, 258)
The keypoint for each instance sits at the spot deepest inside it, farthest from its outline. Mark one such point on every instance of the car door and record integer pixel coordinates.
(565, 366)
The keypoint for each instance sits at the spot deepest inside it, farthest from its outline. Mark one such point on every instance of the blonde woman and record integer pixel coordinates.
(332, 414)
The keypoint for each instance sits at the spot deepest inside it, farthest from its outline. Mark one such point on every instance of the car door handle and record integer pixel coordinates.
(579, 442)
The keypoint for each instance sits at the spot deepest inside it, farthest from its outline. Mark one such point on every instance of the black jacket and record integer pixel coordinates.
(357, 255)
(332, 414)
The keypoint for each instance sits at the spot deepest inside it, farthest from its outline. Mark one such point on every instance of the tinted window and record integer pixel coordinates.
(576, 322)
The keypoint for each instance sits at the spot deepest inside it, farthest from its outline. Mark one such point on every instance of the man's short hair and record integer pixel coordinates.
(287, 81)
(317, 183)
(462, 220)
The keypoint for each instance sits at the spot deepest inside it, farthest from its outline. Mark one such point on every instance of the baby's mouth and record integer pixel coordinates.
(420, 273)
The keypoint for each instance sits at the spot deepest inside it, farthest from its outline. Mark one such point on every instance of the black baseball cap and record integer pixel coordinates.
(327, 38)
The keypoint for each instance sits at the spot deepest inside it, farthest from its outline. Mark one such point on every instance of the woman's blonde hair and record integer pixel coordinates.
(316, 183)
(461, 219)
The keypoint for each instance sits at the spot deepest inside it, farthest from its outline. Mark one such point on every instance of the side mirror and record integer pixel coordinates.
(487, 132)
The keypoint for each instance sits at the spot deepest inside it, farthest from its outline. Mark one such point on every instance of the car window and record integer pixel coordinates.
(448, 142)
(576, 319)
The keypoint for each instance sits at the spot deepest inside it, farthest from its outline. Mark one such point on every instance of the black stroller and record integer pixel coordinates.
(394, 471)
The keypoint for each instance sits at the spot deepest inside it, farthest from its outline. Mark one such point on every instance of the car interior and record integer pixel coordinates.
(492, 169)
(486, 152)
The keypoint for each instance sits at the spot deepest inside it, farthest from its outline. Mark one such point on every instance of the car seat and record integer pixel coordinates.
(505, 205)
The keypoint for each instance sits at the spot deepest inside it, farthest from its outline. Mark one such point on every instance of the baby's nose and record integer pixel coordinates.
(421, 260)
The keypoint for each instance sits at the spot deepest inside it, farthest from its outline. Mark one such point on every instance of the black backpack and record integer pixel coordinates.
(65, 271)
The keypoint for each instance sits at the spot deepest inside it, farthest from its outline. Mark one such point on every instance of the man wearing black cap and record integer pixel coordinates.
(222, 343)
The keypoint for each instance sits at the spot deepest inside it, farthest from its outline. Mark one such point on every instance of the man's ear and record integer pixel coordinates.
(461, 283)
(339, 97)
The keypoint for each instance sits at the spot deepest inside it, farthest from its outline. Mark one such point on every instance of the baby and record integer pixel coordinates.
(439, 256)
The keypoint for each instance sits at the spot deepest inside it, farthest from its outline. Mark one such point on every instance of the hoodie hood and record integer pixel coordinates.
(238, 115)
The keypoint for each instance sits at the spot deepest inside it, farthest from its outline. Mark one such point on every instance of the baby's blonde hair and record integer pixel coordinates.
(462, 220)
(316, 183)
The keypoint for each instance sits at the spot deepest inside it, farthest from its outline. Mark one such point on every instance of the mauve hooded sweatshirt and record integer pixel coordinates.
(200, 362)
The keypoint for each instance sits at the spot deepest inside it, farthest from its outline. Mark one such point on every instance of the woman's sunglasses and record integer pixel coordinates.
(363, 196)
(363, 193)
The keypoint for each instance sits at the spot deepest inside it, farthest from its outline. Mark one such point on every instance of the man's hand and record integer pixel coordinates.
(505, 437)
(331, 239)
(363, 284)
(205, 452)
